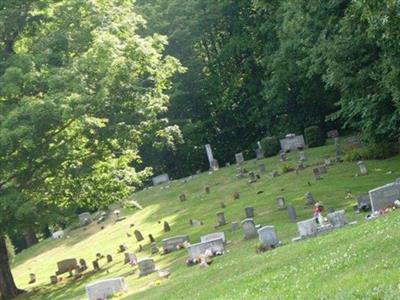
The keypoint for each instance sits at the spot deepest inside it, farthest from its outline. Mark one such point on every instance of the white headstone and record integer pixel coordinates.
(160, 179)
(85, 218)
(198, 249)
(292, 142)
(307, 228)
(213, 236)
(210, 155)
(384, 196)
(337, 218)
(172, 243)
(58, 234)
(267, 236)
(239, 158)
(249, 228)
(146, 266)
(106, 288)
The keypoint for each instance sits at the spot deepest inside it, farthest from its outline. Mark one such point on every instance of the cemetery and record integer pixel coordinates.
(279, 220)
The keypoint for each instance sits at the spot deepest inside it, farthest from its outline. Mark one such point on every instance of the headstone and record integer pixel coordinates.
(317, 173)
(66, 265)
(96, 265)
(195, 223)
(249, 212)
(105, 289)
(146, 266)
(280, 201)
(338, 150)
(174, 243)
(153, 248)
(207, 189)
(160, 179)
(215, 165)
(354, 142)
(221, 219)
(330, 210)
(167, 228)
(327, 161)
(83, 264)
(213, 236)
(240, 172)
(58, 234)
(138, 235)
(239, 158)
(332, 133)
(236, 195)
(303, 157)
(291, 213)
(210, 155)
(262, 168)
(85, 218)
(362, 169)
(215, 245)
(234, 226)
(252, 177)
(32, 278)
(249, 228)
(123, 248)
(274, 174)
(267, 236)
(309, 199)
(283, 156)
(53, 279)
(292, 142)
(364, 202)
(307, 228)
(384, 196)
(130, 258)
(151, 238)
(182, 197)
(259, 153)
(337, 218)
(109, 258)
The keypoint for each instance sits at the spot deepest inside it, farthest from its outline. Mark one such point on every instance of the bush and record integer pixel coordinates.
(372, 151)
(314, 136)
(270, 145)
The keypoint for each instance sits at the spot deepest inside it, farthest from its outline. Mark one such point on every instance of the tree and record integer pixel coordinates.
(80, 91)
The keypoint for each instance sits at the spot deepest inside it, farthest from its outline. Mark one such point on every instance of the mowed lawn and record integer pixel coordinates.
(356, 262)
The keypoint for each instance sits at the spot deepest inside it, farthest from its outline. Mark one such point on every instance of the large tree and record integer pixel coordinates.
(79, 92)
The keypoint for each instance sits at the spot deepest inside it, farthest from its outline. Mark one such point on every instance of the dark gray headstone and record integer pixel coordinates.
(221, 218)
(138, 235)
(249, 228)
(249, 212)
(317, 173)
(309, 199)
(292, 213)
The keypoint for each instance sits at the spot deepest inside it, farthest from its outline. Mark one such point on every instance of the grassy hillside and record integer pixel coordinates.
(356, 262)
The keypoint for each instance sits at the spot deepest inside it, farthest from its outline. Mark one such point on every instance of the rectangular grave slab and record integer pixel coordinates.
(337, 218)
(172, 243)
(105, 289)
(66, 265)
(213, 236)
(198, 249)
(267, 236)
(146, 266)
(307, 228)
(292, 143)
(239, 158)
(384, 196)
(160, 179)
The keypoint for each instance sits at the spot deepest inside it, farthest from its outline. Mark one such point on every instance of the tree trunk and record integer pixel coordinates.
(8, 289)
(30, 237)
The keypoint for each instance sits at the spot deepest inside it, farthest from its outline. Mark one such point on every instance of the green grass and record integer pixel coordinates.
(356, 262)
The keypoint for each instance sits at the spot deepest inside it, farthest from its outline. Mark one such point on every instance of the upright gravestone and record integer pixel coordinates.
(138, 235)
(337, 218)
(292, 213)
(234, 226)
(210, 157)
(327, 161)
(130, 258)
(267, 236)
(292, 142)
(96, 265)
(174, 243)
(160, 179)
(307, 228)
(259, 153)
(384, 196)
(182, 197)
(249, 228)
(354, 142)
(166, 226)
(85, 218)
(153, 248)
(317, 174)
(53, 279)
(236, 195)
(362, 169)
(338, 150)
(215, 165)
(280, 201)
(214, 245)
(221, 218)
(109, 258)
(151, 238)
(309, 199)
(252, 177)
(283, 157)
(239, 158)
(303, 157)
(146, 266)
(213, 236)
(66, 265)
(262, 168)
(249, 212)
(106, 289)
(82, 264)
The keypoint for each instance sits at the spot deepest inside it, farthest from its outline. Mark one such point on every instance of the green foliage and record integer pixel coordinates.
(371, 151)
(287, 167)
(270, 145)
(314, 136)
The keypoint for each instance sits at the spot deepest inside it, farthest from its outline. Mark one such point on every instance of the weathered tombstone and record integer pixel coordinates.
(240, 172)
(384, 196)
(332, 133)
(338, 150)
(353, 142)
(307, 228)
(249, 212)
(330, 210)
(123, 248)
(259, 153)
(337, 218)
(317, 174)
(66, 265)
(58, 234)
(85, 218)
(151, 238)
(174, 243)
(83, 264)
(105, 289)
(292, 142)
(291, 213)
(309, 199)
(214, 245)
(215, 165)
(252, 177)
(153, 248)
(166, 226)
(267, 236)
(236, 195)
(280, 201)
(210, 155)
(207, 189)
(234, 226)
(138, 235)
(323, 169)
(195, 223)
(182, 197)
(146, 266)
(221, 219)
(262, 168)
(160, 179)
(96, 265)
(53, 279)
(130, 258)
(364, 202)
(303, 157)
(362, 169)
(213, 236)
(239, 158)
(327, 161)
(109, 258)
(249, 228)
(283, 156)
(32, 278)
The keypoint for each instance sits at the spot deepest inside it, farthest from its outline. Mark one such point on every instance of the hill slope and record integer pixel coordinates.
(360, 261)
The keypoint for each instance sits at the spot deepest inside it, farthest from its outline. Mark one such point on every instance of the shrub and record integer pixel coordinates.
(314, 136)
(270, 145)
(372, 151)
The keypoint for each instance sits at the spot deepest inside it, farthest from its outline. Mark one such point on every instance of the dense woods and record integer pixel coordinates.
(93, 94)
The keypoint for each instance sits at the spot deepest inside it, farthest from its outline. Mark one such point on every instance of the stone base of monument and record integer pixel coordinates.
(320, 229)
